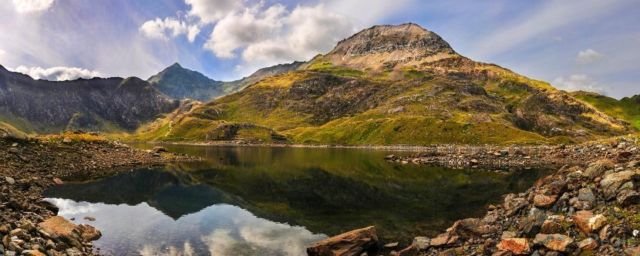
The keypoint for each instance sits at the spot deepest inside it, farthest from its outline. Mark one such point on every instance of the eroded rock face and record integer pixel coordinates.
(87, 104)
(352, 243)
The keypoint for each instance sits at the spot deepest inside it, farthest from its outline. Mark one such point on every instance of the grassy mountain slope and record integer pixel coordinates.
(396, 85)
(627, 108)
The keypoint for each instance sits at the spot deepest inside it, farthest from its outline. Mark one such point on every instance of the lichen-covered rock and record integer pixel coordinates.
(555, 242)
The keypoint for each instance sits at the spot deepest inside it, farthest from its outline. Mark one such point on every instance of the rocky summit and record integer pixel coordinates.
(396, 84)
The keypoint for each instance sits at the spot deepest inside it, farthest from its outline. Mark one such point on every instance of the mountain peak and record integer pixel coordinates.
(390, 38)
(390, 46)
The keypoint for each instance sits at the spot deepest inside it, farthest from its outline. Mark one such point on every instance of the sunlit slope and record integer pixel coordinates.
(393, 85)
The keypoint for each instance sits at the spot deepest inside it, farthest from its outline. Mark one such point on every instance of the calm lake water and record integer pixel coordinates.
(275, 201)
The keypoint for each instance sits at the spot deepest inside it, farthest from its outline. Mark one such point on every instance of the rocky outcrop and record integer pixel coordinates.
(98, 104)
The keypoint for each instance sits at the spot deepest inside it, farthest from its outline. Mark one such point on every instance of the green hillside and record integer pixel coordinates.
(627, 108)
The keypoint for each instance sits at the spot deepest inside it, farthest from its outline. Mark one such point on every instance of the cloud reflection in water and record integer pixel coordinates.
(219, 229)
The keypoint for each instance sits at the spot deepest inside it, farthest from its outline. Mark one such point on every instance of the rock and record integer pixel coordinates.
(588, 244)
(32, 253)
(421, 242)
(444, 239)
(586, 195)
(587, 222)
(544, 201)
(159, 149)
(60, 228)
(633, 251)
(551, 227)
(517, 246)
(58, 181)
(628, 197)
(88, 232)
(391, 245)
(512, 204)
(10, 180)
(613, 181)
(598, 168)
(556, 242)
(390, 157)
(353, 242)
(89, 218)
(66, 140)
(471, 227)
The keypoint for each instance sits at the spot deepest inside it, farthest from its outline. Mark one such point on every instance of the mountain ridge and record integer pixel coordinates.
(396, 84)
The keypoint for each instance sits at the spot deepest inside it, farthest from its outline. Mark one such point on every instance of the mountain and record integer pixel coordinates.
(627, 108)
(398, 84)
(180, 83)
(100, 104)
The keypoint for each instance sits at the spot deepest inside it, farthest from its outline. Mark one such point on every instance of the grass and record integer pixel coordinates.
(625, 109)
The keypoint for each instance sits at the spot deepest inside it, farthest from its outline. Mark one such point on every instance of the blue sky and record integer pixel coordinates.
(574, 44)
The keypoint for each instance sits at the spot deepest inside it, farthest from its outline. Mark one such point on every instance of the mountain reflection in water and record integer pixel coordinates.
(276, 200)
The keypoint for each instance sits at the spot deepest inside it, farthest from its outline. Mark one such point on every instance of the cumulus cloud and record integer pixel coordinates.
(209, 11)
(588, 56)
(57, 73)
(31, 6)
(271, 35)
(169, 27)
(578, 82)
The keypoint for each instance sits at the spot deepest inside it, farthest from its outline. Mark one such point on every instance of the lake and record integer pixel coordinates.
(276, 201)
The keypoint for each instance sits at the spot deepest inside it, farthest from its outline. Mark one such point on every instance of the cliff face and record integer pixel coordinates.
(95, 104)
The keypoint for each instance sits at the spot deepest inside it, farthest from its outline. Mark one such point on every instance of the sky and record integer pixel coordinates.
(574, 44)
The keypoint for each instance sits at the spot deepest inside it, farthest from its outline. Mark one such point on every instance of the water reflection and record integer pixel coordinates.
(242, 197)
(219, 229)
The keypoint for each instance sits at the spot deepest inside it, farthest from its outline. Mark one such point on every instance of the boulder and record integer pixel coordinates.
(61, 229)
(444, 239)
(544, 201)
(421, 242)
(512, 204)
(471, 227)
(598, 168)
(587, 222)
(88, 232)
(517, 246)
(588, 244)
(628, 197)
(613, 181)
(555, 242)
(353, 242)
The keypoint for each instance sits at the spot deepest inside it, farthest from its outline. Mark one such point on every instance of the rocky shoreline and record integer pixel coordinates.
(28, 224)
(515, 157)
(589, 206)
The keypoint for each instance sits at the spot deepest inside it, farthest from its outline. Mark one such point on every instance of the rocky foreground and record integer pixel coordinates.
(589, 206)
(28, 224)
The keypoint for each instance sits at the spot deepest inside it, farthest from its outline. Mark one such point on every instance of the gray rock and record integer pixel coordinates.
(598, 168)
(628, 197)
(10, 180)
(421, 242)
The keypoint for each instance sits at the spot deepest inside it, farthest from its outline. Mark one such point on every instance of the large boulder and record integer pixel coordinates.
(63, 230)
(351, 243)
(613, 181)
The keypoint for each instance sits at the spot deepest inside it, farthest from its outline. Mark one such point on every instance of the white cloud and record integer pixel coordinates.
(267, 36)
(209, 11)
(57, 73)
(31, 6)
(588, 56)
(169, 27)
(578, 82)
